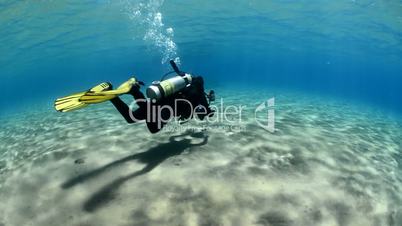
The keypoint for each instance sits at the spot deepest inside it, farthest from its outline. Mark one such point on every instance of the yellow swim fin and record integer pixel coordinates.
(97, 94)
(102, 96)
(72, 102)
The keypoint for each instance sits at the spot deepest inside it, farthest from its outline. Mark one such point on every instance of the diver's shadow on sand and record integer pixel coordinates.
(151, 158)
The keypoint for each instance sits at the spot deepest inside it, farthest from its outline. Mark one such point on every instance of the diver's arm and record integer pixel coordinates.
(204, 102)
(198, 87)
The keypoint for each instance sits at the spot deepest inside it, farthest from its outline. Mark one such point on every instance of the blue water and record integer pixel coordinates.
(330, 153)
(346, 49)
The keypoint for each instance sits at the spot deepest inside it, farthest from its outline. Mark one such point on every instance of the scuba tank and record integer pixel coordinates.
(165, 88)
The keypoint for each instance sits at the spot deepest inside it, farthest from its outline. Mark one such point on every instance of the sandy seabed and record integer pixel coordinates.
(328, 163)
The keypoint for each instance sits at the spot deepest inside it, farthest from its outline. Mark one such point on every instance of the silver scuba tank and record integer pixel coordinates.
(165, 88)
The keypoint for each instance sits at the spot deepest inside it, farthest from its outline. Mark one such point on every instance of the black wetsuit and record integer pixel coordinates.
(193, 94)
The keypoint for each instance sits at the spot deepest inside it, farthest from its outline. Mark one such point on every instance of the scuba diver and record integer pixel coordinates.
(181, 96)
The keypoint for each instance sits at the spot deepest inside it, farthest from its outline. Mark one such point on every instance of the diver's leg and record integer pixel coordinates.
(153, 126)
(140, 100)
(159, 117)
(139, 97)
(129, 115)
